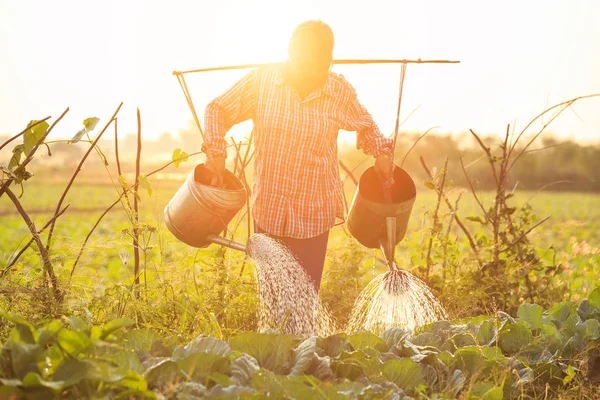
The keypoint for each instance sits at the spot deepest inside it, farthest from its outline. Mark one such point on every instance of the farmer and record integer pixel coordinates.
(297, 109)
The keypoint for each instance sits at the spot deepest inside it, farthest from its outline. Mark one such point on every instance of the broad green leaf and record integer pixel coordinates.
(26, 331)
(73, 371)
(487, 332)
(34, 380)
(190, 390)
(304, 354)
(394, 336)
(405, 373)
(34, 135)
(585, 332)
(178, 157)
(427, 339)
(586, 311)
(162, 373)
(306, 361)
(145, 184)
(479, 389)
(367, 340)
(552, 336)
(332, 346)
(272, 351)
(115, 325)
(73, 342)
(203, 344)
(49, 332)
(531, 314)
(243, 369)
(139, 339)
(126, 360)
(495, 393)
(594, 298)
(560, 312)
(280, 387)
(347, 369)
(199, 366)
(469, 359)
(25, 358)
(513, 337)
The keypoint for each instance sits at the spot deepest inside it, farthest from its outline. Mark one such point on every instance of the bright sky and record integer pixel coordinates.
(516, 57)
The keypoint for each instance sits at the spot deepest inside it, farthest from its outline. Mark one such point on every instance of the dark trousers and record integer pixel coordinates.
(309, 252)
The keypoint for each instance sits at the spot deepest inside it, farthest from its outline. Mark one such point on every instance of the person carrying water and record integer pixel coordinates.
(297, 109)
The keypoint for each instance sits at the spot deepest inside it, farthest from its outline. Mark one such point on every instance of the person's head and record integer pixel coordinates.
(310, 52)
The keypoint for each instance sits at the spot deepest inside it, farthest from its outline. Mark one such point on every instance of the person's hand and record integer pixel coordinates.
(383, 167)
(216, 165)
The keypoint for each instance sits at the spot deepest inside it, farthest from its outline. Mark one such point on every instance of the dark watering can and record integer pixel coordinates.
(199, 212)
(378, 219)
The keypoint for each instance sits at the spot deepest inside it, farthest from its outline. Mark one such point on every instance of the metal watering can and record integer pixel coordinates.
(199, 212)
(378, 216)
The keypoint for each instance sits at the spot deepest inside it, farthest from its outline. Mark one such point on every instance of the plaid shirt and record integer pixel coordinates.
(296, 190)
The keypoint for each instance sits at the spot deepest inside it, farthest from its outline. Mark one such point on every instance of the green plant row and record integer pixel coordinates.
(482, 358)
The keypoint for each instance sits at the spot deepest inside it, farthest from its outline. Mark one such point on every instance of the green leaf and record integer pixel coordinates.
(243, 369)
(457, 382)
(88, 125)
(26, 331)
(367, 340)
(203, 344)
(469, 359)
(49, 332)
(145, 184)
(115, 325)
(272, 351)
(178, 157)
(394, 336)
(161, 373)
(476, 219)
(199, 366)
(495, 393)
(123, 182)
(25, 358)
(429, 185)
(34, 380)
(513, 337)
(560, 312)
(333, 345)
(487, 332)
(347, 369)
(531, 314)
(585, 332)
(34, 135)
(405, 373)
(73, 371)
(594, 298)
(570, 375)
(15, 160)
(73, 342)
(139, 339)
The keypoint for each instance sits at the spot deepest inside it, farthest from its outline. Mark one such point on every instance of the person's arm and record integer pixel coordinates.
(232, 107)
(368, 137)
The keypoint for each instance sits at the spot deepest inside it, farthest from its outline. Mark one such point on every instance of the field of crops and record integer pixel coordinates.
(149, 342)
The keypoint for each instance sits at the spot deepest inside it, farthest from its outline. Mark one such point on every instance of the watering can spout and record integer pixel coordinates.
(216, 239)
